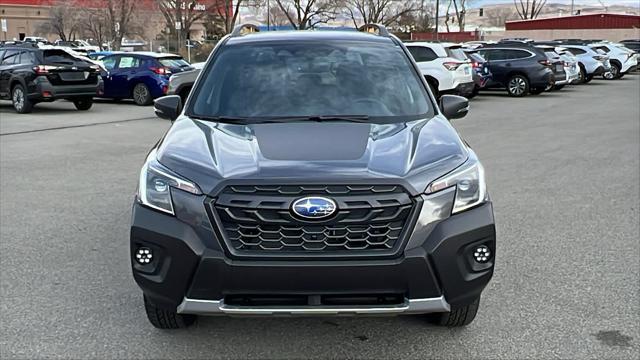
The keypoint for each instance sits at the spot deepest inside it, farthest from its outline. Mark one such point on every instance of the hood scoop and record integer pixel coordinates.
(313, 141)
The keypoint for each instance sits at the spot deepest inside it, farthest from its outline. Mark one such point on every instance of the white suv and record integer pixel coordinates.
(622, 59)
(445, 67)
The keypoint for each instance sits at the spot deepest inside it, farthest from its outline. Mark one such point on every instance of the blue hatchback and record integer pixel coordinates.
(141, 76)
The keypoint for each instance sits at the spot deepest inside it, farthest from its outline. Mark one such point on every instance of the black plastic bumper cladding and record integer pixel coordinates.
(191, 264)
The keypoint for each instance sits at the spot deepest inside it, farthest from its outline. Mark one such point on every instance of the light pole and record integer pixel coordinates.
(437, 14)
(268, 16)
(572, 7)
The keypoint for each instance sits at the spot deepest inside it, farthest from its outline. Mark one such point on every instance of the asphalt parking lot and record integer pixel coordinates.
(563, 171)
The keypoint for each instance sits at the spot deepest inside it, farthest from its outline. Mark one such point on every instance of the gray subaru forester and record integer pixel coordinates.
(311, 173)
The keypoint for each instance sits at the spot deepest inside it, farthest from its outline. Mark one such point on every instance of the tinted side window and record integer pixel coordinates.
(603, 48)
(10, 57)
(513, 54)
(421, 54)
(492, 54)
(28, 58)
(109, 62)
(576, 51)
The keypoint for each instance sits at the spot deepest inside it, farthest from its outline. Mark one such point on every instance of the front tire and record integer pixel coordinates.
(142, 95)
(582, 75)
(83, 104)
(20, 101)
(588, 78)
(461, 316)
(518, 86)
(166, 319)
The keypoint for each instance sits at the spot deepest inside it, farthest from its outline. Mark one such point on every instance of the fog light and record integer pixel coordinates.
(482, 254)
(144, 255)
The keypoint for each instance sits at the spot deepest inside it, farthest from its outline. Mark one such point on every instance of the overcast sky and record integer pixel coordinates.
(636, 3)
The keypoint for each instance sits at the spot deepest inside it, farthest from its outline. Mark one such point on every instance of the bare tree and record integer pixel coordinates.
(385, 12)
(183, 13)
(306, 14)
(121, 15)
(529, 9)
(63, 21)
(228, 11)
(277, 16)
(498, 16)
(95, 25)
(460, 9)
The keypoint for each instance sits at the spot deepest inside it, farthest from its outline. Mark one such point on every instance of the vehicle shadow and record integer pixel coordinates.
(61, 106)
(341, 336)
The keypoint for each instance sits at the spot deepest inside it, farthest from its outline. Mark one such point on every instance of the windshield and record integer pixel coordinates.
(309, 79)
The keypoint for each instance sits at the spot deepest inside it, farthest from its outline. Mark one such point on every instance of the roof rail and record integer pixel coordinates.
(244, 29)
(19, 44)
(376, 29)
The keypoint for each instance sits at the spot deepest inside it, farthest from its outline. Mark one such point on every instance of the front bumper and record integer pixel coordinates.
(218, 307)
(599, 70)
(194, 274)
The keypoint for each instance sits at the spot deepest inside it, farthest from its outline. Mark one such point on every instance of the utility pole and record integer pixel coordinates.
(268, 16)
(437, 16)
(572, 13)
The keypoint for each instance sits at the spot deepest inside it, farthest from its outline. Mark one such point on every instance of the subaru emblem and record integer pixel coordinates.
(314, 207)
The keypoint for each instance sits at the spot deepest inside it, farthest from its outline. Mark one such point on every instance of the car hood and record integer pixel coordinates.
(411, 154)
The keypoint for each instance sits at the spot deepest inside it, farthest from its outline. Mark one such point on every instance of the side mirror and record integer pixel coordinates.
(453, 106)
(168, 107)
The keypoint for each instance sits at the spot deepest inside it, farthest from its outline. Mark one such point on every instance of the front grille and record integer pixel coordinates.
(258, 219)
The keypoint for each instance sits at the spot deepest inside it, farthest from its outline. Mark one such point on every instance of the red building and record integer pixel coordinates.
(612, 27)
(593, 21)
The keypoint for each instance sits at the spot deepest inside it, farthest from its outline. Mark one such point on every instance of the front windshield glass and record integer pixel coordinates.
(309, 79)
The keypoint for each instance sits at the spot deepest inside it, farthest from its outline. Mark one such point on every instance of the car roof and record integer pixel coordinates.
(308, 35)
(143, 53)
(153, 54)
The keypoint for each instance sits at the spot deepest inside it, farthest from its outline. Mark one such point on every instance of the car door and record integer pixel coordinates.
(423, 56)
(124, 75)
(497, 65)
(110, 63)
(10, 60)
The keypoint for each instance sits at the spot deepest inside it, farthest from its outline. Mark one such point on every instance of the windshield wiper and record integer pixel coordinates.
(224, 119)
(317, 118)
(281, 119)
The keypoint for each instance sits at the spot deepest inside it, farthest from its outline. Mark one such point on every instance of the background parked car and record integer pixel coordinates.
(444, 66)
(79, 46)
(29, 75)
(632, 44)
(622, 60)
(99, 55)
(558, 65)
(520, 68)
(481, 72)
(570, 65)
(141, 76)
(591, 63)
(181, 83)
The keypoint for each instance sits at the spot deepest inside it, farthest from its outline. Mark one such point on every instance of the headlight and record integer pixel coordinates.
(156, 182)
(471, 188)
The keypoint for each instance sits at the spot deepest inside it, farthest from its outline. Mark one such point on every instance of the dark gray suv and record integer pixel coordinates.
(311, 173)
